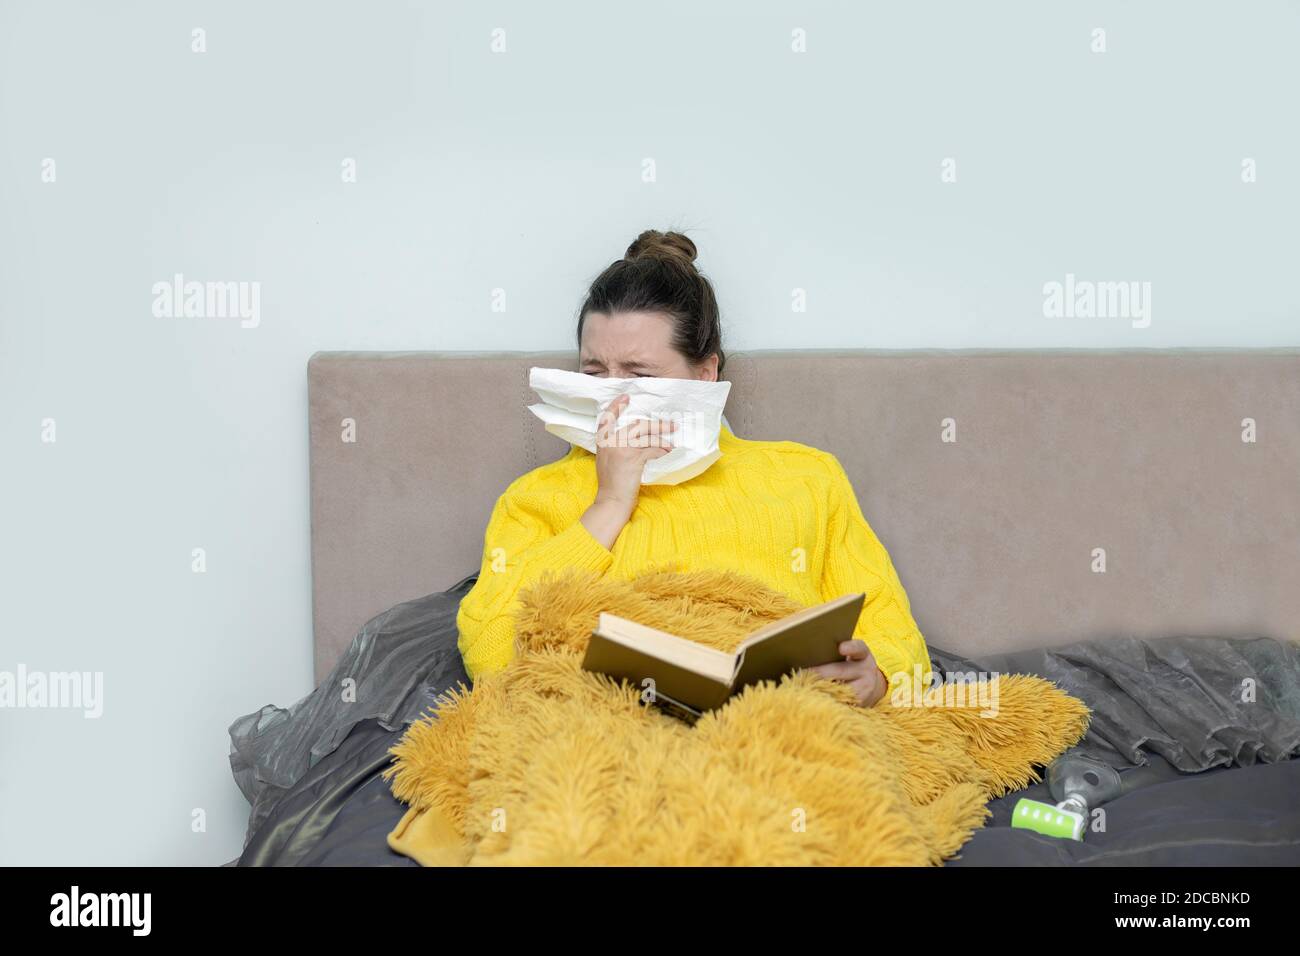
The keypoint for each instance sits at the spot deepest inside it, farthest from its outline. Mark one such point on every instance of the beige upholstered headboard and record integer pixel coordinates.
(996, 534)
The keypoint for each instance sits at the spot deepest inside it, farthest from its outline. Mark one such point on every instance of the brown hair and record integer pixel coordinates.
(658, 274)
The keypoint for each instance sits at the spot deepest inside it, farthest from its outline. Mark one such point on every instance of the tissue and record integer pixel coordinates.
(572, 402)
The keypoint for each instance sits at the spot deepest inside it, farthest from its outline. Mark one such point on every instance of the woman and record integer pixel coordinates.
(778, 511)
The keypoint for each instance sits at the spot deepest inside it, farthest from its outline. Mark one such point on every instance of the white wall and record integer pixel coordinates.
(521, 171)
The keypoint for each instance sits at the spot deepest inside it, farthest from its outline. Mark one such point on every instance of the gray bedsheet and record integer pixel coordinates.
(1226, 711)
(393, 671)
(1198, 702)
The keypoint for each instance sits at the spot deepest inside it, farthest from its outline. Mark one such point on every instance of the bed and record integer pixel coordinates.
(1103, 518)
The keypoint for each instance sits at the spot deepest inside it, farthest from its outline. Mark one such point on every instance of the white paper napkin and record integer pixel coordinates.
(572, 402)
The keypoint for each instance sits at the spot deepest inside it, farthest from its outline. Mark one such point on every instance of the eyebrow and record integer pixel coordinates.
(636, 365)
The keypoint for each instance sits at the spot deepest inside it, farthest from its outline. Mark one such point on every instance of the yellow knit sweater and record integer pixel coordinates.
(779, 511)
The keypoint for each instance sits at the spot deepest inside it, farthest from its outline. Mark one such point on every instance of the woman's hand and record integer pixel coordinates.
(859, 670)
(621, 456)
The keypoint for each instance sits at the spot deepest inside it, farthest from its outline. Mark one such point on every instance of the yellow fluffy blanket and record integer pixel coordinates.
(545, 763)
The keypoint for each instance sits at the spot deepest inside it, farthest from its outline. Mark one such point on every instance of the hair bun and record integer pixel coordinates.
(653, 244)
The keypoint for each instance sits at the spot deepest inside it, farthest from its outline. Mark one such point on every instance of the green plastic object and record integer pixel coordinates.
(1048, 820)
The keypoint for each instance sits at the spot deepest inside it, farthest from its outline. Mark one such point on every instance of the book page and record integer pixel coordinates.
(805, 639)
(797, 617)
(711, 663)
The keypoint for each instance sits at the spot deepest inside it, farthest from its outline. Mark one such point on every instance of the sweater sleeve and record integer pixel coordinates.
(857, 561)
(525, 536)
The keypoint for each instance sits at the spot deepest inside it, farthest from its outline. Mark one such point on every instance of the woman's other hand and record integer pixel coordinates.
(859, 670)
(621, 456)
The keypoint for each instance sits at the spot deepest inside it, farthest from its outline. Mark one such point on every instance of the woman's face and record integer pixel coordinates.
(633, 344)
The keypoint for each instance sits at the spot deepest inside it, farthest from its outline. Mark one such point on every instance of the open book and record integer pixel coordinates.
(689, 678)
